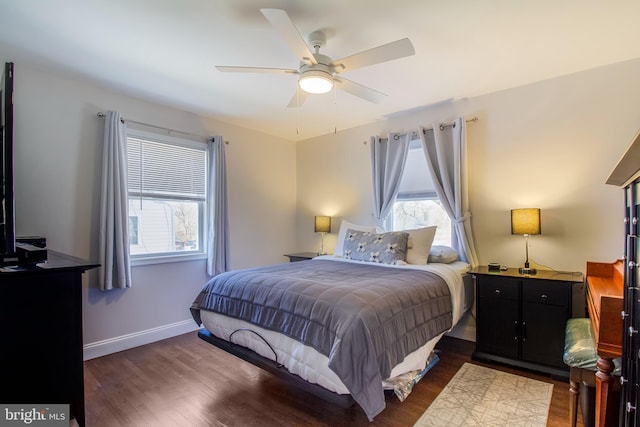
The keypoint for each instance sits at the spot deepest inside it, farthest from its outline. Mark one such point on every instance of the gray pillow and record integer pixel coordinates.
(385, 248)
(442, 254)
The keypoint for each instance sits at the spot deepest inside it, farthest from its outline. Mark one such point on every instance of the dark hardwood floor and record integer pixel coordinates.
(184, 381)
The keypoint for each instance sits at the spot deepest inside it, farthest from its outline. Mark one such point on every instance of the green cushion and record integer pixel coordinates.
(580, 345)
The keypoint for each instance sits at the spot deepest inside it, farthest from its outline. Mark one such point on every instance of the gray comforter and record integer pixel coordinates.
(364, 317)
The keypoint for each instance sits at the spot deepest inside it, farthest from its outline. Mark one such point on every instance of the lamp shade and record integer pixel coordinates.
(525, 221)
(323, 224)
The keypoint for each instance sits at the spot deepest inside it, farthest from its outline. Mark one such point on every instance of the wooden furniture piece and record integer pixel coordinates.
(41, 361)
(626, 174)
(605, 303)
(301, 256)
(521, 318)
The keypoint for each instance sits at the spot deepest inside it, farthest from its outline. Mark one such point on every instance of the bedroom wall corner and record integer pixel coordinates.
(57, 161)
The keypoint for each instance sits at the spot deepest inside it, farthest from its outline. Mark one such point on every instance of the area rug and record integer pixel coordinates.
(479, 396)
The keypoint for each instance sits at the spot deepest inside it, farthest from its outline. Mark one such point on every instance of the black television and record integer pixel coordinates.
(7, 208)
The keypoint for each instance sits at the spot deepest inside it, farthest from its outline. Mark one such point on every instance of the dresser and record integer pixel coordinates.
(626, 174)
(41, 361)
(521, 318)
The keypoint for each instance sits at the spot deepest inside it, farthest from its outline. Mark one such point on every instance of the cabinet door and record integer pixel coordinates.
(498, 322)
(545, 310)
(41, 328)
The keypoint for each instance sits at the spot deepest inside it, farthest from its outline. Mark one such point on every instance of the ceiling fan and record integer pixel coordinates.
(318, 73)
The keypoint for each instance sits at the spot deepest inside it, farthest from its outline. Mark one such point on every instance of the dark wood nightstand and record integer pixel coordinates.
(521, 318)
(301, 256)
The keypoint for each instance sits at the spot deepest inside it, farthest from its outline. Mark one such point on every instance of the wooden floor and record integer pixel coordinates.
(184, 381)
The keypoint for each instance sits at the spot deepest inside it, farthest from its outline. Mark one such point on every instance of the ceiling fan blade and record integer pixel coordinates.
(231, 69)
(283, 24)
(298, 99)
(386, 52)
(357, 89)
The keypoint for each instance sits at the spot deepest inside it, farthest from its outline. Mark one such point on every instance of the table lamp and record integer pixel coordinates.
(526, 222)
(322, 225)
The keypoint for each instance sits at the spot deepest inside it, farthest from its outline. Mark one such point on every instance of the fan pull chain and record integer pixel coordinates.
(335, 103)
(297, 110)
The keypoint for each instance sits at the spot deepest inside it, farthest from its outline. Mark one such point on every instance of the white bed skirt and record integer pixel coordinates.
(298, 358)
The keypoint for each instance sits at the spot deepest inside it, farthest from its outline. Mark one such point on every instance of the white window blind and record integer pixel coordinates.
(161, 169)
(416, 181)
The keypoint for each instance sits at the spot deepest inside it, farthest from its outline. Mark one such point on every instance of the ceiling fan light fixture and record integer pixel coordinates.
(316, 81)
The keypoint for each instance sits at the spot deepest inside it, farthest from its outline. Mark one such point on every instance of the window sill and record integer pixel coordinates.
(164, 259)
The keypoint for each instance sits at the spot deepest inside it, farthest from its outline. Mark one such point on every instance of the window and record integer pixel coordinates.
(167, 194)
(417, 204)
(133, 230)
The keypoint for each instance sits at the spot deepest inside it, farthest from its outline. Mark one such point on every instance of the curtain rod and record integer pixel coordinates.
(450, 125)
(414, 134)
(122, 120)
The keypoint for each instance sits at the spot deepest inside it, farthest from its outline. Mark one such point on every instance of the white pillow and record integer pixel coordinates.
(443, 254)
(419, 244)
(344, 226)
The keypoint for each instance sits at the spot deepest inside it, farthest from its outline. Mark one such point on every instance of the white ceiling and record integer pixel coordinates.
(166, 50)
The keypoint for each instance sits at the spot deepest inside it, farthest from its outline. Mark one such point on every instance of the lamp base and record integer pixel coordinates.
(525, 270)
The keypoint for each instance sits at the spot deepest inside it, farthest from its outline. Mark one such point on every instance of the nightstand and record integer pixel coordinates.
(521, 318)
(301, 256)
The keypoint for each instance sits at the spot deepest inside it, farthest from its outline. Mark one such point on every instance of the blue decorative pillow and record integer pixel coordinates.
(385, 248)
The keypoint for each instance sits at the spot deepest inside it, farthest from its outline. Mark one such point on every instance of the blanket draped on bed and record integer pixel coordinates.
(364, 317)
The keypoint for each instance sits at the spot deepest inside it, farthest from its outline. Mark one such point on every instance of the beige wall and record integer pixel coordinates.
(550, 145)
(58, 140)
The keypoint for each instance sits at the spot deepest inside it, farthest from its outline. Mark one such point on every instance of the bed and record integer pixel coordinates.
(341, 324)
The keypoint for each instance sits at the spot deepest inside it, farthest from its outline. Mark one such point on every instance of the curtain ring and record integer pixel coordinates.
(396, 137)
(442, 127)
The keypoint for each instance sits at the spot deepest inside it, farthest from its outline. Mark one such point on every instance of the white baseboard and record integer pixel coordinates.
(464, 332)
(125, 342)
(465, 329)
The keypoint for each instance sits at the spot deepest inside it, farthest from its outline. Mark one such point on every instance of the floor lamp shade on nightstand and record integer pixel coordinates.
(322, 225)
(526, 222)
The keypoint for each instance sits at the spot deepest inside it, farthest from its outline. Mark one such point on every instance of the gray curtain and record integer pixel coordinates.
(115, 270)
(388, 157)
(217, 208)
(445, 148)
